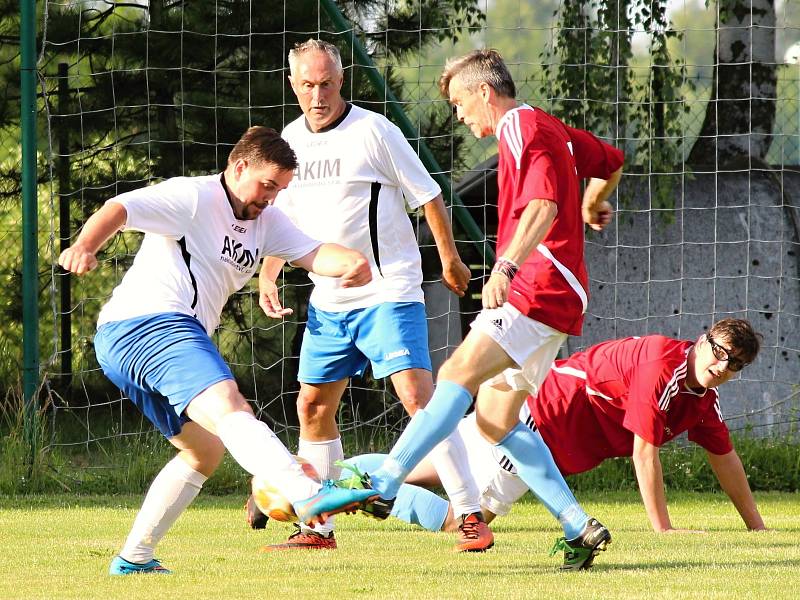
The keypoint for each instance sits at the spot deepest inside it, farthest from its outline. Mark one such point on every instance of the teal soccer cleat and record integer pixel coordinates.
(330, 500)
(120, 566)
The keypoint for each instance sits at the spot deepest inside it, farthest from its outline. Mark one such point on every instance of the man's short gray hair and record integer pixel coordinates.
(312, 45)
(479, 66)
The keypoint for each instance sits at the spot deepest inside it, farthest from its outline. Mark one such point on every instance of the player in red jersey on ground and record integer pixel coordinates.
(628, 397)
(624, 397)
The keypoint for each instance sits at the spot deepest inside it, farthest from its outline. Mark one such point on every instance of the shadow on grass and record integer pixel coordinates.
(134, 501)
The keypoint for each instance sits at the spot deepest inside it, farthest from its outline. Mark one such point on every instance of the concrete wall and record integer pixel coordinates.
(729, 248)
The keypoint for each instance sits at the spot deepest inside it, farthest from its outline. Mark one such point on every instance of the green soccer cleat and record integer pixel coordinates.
(332, 499)
(579, 552)
(120, 566)
(379, 508)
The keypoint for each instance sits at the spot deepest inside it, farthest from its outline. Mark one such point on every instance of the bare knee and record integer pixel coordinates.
(413, 398)
(414, 387)
(209, 407)
(492, 426)
(316, 411)
(204, 460)
(199, 448)
(459, 370)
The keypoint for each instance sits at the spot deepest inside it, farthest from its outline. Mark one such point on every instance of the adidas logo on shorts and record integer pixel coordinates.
(498, 323)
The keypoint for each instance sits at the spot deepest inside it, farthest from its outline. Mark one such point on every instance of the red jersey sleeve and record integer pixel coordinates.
(711, 432)
(643, 415)
(593, 158)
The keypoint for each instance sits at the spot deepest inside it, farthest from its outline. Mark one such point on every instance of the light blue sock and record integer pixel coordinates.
(366, 463)
(414, 505)
(427, 428)
(536, 467)
(419, 506)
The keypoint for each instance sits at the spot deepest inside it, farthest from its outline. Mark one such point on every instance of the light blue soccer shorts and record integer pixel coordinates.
(161, 362)
(392, 336)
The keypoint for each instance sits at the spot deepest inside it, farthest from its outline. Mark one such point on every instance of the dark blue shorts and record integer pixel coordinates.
(161, 362)
(392, 336)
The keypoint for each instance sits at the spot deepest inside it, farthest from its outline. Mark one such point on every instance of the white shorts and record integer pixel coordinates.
(499, 487)
(531, 344)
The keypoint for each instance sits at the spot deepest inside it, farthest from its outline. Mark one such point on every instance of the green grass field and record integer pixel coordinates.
(60, 547)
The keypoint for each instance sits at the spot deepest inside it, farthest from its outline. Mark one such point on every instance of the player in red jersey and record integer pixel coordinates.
(623, 397)
(535, 296)
(628, 397)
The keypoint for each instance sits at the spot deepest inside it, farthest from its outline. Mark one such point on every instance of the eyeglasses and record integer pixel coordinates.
(722, 353)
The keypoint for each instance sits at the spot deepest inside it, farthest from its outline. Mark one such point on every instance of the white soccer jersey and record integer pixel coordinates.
(349, 188)
(195, 252)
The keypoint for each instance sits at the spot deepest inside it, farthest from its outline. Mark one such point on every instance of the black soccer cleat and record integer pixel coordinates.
(380, 509)
(579, 552)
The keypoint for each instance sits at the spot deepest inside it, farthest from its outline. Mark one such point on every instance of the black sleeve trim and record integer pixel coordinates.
(187, 258)
(375, 191)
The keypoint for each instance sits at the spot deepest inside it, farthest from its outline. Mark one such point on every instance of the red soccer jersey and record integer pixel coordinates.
(541, 157)
(591, 404)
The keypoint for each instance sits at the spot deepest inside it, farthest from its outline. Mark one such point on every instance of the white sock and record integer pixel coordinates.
(171, 492)
(323, 455)
(449, 458)
(259, 451)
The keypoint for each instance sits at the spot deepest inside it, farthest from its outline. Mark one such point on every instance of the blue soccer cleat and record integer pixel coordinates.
(330, 500)
(120, 566)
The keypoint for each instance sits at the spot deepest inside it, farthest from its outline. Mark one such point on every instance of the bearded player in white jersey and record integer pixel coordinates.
(356, 179)
(204, 237)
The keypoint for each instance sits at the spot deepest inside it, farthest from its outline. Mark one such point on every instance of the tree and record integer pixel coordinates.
(595, 82)
(165, 88)
(741, 111)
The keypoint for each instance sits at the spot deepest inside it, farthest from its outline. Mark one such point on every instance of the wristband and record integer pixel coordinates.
(506, 266)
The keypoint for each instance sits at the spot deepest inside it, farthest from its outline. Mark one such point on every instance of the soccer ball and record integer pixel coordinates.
(270, 501)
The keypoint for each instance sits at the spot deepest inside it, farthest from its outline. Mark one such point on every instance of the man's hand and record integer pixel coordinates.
(358, 274)
(269, 300)
(598, 215)
(495, 292)
(455, 276)
(78, 260)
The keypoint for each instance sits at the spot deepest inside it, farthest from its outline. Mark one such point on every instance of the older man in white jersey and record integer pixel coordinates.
(356, 178)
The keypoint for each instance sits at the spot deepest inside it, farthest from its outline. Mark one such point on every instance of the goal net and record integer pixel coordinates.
(707, 220)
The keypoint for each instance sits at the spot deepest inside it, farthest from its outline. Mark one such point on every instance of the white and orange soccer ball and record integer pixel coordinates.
(270, 501)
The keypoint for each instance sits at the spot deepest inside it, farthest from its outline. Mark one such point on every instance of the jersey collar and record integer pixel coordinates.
(508, 116)
(225, 187)
(686, 387)
(335, 124)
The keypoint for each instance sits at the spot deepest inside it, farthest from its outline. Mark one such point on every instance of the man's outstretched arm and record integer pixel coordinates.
(650, 476)
(334, 260)
(80, 257)
(733, 480)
